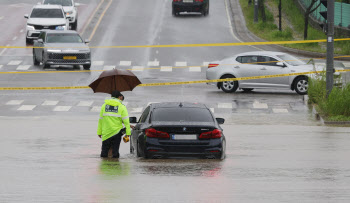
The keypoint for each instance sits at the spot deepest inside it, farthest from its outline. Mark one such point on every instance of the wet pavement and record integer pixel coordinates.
(56, 159)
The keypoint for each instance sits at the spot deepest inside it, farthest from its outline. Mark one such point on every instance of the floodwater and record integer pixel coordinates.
(57, 160)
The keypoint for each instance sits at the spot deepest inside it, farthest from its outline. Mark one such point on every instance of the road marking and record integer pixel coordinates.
(212, 110)
(346, 64)
(97, 63)
(206, 63)
(137, 68)
(99, 20)
(244, 111)
(62, 108)
(153, 63)
(89, 20)
(280, 110)
(23, 67)
(0, 66)
(26, 108)
(14, 38)
(15, 102)
(195, 69)
(3, 51)
(125, 63)
(181, 64)
(14, 63)
(85, 103)
(258, 105)
(225, 105)
(49, 103)
(21, 31)
(96, 109)
(166, 68)
(108, 67)
(136, 110)
(1, 17)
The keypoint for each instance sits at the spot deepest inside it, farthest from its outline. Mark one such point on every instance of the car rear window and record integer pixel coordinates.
(64, 38)
(59, 2)
(46, 13)
(182, 114)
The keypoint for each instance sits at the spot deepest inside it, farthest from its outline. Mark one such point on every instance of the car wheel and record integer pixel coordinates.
(75, 25)
(223, 153)
(204, 12)
(138, 150)
(247, 89)
(76, 66)
(131, 148)
(29, 41)
(87, 67)
(44, 63)
(301, 85)
(228, 86)
(35, 61)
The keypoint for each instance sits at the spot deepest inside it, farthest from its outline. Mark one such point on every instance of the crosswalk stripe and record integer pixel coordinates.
(181, 64)
(14, 63)
(0, 66)
(166, 68)
(26, 107)
(346, 64)
(125, 63)
(49, 103)
(212, 110)
(137, 68)
(153, 63)
(23, 67)
(136, 110)
(15, 102)
(97, 63)
(225, 105)
(195, 69)
(258, 105)
(85, 103)
(108, 67)
(280, 110)
(95, 109)
(62, 108)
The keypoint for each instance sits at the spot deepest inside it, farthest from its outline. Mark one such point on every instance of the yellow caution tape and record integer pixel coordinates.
(192, 45)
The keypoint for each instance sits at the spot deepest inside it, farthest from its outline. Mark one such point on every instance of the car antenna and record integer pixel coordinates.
(181, 105)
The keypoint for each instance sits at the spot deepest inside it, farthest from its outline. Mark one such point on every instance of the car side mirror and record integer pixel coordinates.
(40, 41)
(281, 64)
(132, 119)
(87, 41)
(26, 16)
(220, 120)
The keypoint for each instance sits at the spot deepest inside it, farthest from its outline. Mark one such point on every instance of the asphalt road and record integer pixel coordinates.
(50, 150)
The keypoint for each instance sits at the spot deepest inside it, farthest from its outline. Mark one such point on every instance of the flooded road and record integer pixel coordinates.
(54, 159)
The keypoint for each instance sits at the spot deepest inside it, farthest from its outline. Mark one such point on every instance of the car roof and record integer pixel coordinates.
(261, 53)
(47, 6)
(61, 31)
(178, 104)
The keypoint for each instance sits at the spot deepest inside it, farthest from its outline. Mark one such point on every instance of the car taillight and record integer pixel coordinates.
(151, 132)
(177, 0)
(199, 1)
(212, 65)
(211, 134)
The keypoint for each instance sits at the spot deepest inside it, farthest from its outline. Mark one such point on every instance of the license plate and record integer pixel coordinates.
(70, 57)
(188, 1)
(184, 137)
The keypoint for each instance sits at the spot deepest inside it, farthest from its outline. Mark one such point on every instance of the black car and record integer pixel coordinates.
(177, 129)
(201, 6)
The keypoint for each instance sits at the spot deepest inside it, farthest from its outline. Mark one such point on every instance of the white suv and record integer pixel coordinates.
(70, 8)
(45, 17)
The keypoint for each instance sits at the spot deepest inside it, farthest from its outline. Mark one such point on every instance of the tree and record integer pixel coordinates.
(262, 10)
(308, 11)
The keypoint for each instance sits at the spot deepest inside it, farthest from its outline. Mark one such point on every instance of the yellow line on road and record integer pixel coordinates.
(99, 20)
(93, 14)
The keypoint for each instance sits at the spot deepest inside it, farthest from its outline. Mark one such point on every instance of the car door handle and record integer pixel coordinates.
(236, 66)
(263, 68)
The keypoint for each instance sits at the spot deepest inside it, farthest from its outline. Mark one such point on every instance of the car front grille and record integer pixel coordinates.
(40, 27)
(61, 55)
(61, 61)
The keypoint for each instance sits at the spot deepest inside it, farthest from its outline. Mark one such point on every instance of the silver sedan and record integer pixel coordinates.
(61, 48)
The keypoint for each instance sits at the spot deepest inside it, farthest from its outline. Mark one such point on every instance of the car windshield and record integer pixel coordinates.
(46, 13)
(59, 2)
(291, 60)
(182, 114)
(63, 38)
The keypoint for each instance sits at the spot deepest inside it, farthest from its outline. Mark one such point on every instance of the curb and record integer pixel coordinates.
(321, 119)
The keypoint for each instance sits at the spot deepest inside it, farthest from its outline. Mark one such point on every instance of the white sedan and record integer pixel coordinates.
(259, 64)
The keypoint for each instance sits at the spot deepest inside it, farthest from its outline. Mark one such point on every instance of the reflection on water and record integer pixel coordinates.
(113, 168)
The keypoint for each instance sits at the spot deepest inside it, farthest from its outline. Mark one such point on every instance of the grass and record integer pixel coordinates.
(269, 31)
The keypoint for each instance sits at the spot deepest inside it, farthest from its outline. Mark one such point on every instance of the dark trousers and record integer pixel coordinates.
(112, 142)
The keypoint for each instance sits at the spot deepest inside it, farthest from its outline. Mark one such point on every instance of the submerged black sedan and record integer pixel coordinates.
(201, 6)
(176, 129)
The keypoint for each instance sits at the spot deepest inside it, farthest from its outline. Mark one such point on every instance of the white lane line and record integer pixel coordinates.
(96, 109)
(49, 103)
(181, 64)
(166, 68)
(125, 63)
(244, 111)
(85, 103)
(14, 38)
(195, 69)
(0, 66)
(153, 63)
(212, 110)
(23, 67)
(1, 17)
(258, 105)
(14, 63)
(108, 67)
(136, 110)
(15, 102)
(137, 68)
(62, 108)
(206, 63)
(26, 108)
(225, 105)
(280, 110)
(21, 31)
(97, 63)
(4, 50)
(346, 64)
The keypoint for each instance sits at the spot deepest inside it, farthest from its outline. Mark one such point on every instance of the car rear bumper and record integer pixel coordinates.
(188, 7)
(68, 62)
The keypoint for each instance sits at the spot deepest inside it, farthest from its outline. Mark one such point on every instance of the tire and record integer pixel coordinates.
(223, 153)
(29, 41)
(76, 66)
(132, 150)
(228, 86)
(35, 61)
(137, 150)
(44, 64)
(301, 85)
(75, 25)
(247, 89)
(204, 12)
(87, 67)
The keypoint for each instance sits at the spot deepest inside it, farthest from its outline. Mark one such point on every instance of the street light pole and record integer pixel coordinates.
(256, 7)
(280, 15)
(330, 46)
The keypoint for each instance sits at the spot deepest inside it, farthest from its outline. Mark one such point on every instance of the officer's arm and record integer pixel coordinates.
(99, 128)
(125, 117)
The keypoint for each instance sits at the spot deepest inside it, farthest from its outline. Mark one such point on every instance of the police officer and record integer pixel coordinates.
(112, 116)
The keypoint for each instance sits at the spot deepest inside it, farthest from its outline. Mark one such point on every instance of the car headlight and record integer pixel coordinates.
(61, 27)
(54, 50)
(29, 27)
(69, 13)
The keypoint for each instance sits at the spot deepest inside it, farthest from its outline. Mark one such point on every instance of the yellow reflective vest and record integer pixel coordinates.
(112, 116)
